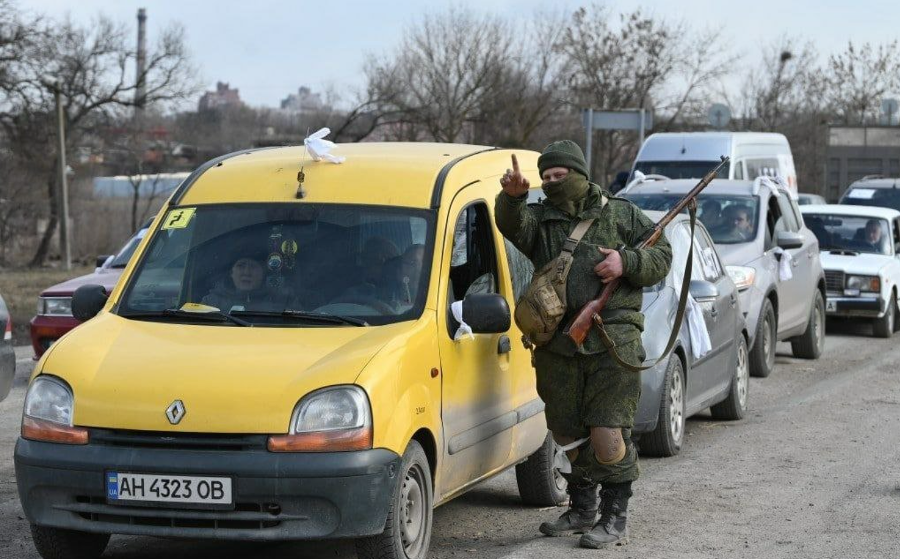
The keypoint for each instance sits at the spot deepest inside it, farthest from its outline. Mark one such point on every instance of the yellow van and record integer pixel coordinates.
(297, 350)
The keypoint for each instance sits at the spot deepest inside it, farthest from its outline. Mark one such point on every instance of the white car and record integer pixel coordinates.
(860, 252)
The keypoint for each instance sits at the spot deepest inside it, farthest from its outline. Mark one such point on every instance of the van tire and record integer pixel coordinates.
(413, 496)
(57, 543)
(662, 441)
(731, 408)
(540, 484)
(762, 358)
(810, 344)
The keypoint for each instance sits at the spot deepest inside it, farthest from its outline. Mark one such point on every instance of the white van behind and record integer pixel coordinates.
(685, 155)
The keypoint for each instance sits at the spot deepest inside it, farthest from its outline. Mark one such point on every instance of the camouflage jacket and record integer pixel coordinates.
(539, 230)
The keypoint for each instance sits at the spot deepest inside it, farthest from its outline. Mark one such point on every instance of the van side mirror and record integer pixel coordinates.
(486, 313)
(703, 291)
(87, 301)
(788, 239)
(101, 260)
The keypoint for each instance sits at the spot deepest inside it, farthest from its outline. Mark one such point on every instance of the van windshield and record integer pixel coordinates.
(850, 233)
(681, 169)
(729, 219)
(284, 264)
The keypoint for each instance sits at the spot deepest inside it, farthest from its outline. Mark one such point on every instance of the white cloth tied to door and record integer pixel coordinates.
(700, 342)
(464, 329)
(785, 263)
(319, 147)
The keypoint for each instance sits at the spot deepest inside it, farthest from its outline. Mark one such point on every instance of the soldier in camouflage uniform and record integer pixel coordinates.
(586, 393)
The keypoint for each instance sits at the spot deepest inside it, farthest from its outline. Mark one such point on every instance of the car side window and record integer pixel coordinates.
(788, 214)
(896, 228)
(473, 266)
(707, 257)
(521, 269)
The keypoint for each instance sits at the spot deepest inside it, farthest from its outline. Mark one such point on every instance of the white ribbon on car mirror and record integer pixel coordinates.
(700, 342)
(464, 329)
(784, 264)
(561, 460)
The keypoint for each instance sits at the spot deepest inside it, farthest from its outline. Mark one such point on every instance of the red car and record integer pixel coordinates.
(54, 311)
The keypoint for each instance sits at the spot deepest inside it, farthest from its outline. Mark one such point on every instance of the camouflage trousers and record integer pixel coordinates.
(584, 391)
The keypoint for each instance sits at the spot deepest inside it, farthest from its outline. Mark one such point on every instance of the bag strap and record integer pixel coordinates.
(577, 234)
(679, 316)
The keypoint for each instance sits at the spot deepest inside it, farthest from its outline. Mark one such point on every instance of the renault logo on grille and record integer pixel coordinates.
(175, 412)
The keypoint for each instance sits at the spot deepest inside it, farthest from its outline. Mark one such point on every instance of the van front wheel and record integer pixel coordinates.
(56, 543)
(407, 531)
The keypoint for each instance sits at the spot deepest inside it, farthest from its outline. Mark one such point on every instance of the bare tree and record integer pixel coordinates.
(443, 74)
(858, 78)
(91, 67)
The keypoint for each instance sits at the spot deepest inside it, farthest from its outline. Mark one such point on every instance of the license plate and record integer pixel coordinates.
(830, 306)
(165, 488)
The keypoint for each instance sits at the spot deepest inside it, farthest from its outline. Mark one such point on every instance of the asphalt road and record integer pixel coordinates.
(812, 471)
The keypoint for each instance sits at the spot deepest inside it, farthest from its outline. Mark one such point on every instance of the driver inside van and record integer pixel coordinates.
(244, 287)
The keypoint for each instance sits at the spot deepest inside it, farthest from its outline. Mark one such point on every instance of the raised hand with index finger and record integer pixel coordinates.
(513, 182)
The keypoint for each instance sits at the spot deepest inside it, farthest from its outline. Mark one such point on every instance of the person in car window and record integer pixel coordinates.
(404, 275)
(874, 235)
(737, 224)
(711, 213)
(245, 288)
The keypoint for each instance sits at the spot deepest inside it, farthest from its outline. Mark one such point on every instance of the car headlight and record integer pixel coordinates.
(864, 283)
(337, 418)
(742, 276)
(49, 411)
(55, 306)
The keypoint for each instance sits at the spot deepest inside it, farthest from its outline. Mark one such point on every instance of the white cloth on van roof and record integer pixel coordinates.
(319, 147)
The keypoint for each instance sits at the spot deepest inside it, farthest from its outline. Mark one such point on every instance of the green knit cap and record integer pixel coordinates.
(564, 153)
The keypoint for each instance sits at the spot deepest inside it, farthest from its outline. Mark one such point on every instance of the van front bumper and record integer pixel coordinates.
(277, 496)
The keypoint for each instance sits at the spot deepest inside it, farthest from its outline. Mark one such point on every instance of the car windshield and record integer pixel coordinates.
(124, 255)
(729, 219)
(881, 197)
(285, 264)
(681, 169)
(850, 233)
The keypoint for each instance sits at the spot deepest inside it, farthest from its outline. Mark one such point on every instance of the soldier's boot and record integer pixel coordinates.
(581, 514)
(611, 528)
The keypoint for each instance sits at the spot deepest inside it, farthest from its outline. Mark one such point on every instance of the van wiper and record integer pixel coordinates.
(212, 316)
(304, 315)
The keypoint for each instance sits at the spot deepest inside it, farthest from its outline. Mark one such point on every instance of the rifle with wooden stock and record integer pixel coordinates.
(589, 315)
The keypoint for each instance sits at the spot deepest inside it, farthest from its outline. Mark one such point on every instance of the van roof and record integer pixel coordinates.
(378, 173)
(683, 186)
(848, 210)
(876, 182)
(703, 146)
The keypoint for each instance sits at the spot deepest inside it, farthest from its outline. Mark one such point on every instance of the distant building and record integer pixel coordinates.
(121, 186)
(858, 151)
(222, 97)
(303, 101)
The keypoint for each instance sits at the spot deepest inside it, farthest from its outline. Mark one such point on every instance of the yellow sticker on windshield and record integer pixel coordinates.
(178, 219)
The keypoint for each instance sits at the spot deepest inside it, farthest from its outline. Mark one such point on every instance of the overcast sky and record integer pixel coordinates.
(269, 48)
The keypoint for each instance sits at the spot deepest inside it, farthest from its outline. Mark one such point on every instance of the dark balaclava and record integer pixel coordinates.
(567, 194)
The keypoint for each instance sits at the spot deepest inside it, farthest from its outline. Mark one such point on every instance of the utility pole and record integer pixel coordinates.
(63, 183)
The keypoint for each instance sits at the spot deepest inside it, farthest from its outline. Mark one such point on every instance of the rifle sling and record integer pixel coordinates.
(679, 316)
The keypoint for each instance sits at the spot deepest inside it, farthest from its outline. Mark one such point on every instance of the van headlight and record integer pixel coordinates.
(742, 276)
(336, 418)
(48, 413)
(55, 306)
